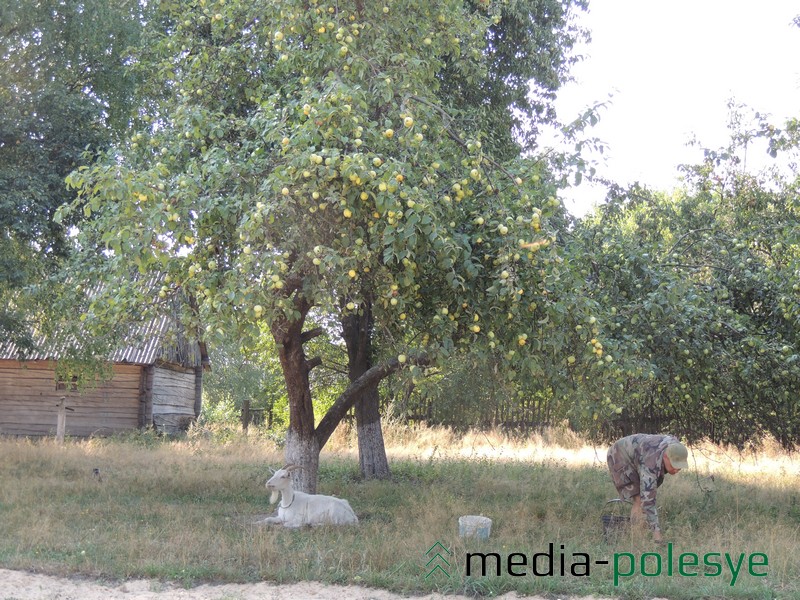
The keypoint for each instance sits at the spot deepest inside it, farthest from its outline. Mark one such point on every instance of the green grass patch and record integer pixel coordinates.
(184, 511)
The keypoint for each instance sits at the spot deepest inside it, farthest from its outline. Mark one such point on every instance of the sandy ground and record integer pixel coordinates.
(18, 585)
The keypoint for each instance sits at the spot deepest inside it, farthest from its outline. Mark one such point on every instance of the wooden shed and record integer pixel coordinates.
(153, 383)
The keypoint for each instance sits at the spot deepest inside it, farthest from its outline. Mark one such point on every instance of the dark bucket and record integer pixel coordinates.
(615, 523)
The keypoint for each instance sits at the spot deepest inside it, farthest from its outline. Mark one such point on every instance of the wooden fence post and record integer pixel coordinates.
(245, 415)
(61, 424)
(61, 427)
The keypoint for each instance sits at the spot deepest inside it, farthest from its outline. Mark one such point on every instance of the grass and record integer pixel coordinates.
(183, 510)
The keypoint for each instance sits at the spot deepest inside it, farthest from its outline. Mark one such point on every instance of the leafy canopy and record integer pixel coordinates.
(295, 157)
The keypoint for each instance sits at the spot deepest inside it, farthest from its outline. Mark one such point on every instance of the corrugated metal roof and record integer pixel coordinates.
(145, 347)
(159, 338)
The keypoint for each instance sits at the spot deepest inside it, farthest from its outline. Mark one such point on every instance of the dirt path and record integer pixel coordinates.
(18, 585)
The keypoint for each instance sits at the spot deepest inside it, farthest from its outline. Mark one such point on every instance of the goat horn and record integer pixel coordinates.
(291, 468)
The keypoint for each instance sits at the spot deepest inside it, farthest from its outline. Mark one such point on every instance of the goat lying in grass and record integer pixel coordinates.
(297, 509)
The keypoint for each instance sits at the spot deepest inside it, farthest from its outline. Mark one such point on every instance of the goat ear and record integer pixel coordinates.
(271, 470)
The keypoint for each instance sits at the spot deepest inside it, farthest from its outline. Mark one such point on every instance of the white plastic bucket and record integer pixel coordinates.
(474, 526)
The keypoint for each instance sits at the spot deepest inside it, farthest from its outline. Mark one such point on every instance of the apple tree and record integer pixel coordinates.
(700, 288)
(527, 55)
(298, 160)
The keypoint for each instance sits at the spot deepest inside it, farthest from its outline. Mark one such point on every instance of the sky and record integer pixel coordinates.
(670, 69)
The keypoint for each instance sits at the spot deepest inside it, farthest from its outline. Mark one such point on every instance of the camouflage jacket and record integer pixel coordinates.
(636, 462)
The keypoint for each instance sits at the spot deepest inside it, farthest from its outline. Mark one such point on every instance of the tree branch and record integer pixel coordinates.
(454, 136)
(350, 396)
(684, 266)
(684, 236)
(309, 335)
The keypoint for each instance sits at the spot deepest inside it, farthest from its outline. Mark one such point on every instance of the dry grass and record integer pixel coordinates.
(183, 510)
(423, 443)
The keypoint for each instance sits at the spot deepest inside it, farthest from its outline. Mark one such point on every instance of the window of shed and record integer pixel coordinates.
(61, 384)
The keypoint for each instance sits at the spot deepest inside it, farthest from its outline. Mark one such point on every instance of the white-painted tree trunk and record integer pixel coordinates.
(305, 454)
(371, 451)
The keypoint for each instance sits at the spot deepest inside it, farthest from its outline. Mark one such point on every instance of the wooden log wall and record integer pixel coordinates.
(146, 397)
(28, 399)
(173, 399)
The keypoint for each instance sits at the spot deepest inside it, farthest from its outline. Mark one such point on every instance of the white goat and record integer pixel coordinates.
(297, 509)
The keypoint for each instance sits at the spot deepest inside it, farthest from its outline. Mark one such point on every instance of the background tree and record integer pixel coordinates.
(700, 288)
(244, 378)
(251, 372)
(529, 53)
(64, 88)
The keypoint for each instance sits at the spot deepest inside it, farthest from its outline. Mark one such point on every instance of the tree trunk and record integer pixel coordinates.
(302, 448)
(303, 451)
(357, 332)
(371, 449)
(303, 440)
